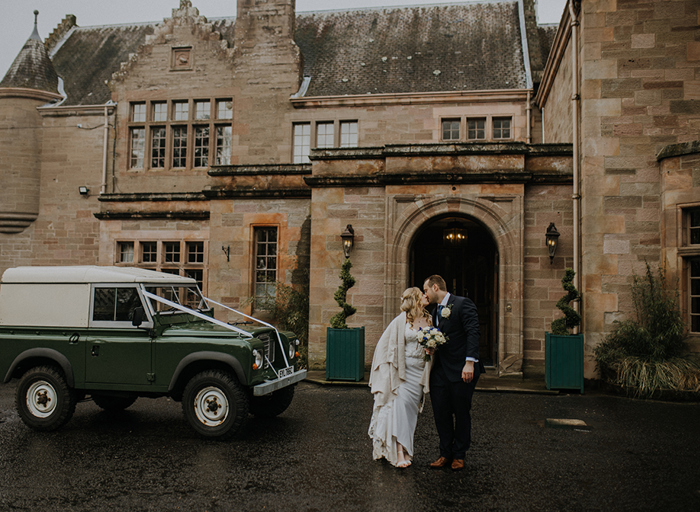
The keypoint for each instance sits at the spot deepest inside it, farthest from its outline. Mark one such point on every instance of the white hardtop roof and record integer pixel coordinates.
(92, 274)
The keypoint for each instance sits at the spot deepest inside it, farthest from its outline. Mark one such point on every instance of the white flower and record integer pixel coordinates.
(446, 311)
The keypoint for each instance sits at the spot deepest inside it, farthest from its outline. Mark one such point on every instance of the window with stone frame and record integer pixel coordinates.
(325, 134)
(501, 128)
(348, 134)
(451, 129)
(180, 134)
(265, 285)
(179, 257)
(302, 142)
(476, 128)
(689, 250)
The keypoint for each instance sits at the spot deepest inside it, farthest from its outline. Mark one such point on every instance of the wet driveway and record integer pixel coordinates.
(636, 455)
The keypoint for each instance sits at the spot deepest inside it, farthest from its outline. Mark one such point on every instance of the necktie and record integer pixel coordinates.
(439, 314)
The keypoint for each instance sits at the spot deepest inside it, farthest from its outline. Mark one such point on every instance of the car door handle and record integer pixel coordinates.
(95, 350)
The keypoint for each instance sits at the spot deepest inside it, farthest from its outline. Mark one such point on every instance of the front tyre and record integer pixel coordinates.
(272, 405)
(215, 404)
(44, 401)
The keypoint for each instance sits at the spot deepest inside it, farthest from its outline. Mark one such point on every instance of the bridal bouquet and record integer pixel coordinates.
(431, 337)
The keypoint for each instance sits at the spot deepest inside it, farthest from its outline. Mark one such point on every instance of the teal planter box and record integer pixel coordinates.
(563, 361)
(345, 354)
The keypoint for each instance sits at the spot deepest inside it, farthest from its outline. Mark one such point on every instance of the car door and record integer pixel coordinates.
(117, 354)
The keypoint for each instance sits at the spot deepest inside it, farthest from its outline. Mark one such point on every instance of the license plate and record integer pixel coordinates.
(286, 372)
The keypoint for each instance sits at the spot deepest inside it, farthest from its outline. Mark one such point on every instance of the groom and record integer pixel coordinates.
(456, 369)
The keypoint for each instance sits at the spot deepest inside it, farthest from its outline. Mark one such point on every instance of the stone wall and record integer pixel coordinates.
(65, 231)
(640, 69)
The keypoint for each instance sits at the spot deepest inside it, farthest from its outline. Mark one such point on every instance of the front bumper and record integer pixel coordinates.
(269, 386)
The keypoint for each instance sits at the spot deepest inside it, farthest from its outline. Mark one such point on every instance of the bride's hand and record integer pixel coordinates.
(430, 351)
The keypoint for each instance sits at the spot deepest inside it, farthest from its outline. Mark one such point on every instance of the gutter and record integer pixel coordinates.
(575, 99)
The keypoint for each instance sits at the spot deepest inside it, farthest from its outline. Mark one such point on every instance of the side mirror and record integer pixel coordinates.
(137, 317)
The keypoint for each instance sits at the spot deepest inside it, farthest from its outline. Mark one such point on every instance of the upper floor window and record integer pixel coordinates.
(476, 129)
(160, 111)
(501, 128)
(450, 129)
(180, 134)
(325, 135)
(126, 252)
(138, 112)
(302, 142)
(202, 109)
(348, 134)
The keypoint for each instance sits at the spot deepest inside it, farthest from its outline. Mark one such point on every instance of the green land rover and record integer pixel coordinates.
(113, 334)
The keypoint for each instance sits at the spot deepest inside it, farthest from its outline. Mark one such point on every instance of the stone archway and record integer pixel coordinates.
(502, 217)
(463, 252)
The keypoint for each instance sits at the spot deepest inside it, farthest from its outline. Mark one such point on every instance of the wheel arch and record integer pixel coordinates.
(197, 362)
(33, 357)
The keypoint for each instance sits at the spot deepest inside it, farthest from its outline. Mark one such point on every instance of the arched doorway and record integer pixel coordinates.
(464, 253)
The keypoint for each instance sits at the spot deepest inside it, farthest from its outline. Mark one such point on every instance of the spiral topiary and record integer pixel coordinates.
(571, 317)
(340, 296)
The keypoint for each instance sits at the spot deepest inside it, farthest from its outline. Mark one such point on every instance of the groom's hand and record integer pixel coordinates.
(468, 371)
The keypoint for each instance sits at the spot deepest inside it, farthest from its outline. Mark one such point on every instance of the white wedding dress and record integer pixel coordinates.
(396, 421)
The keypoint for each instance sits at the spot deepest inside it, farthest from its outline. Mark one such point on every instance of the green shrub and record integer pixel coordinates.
(340, 296)
(571, 317)
(290, 310)
(646, 354)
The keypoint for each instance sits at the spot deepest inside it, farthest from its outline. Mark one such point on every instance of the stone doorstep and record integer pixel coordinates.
(486, 383)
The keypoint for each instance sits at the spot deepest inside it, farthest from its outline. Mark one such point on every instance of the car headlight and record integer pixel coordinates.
(257, 364)
(292, 349)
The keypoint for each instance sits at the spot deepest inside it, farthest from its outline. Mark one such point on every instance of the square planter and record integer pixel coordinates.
(563, 361)
(345, 354)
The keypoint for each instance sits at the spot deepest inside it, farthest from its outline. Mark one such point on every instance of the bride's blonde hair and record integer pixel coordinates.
(411, 304)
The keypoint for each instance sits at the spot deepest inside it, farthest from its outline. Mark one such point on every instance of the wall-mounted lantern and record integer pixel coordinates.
(552, 238)
(454, 234)
(83, 190)
(348, 237)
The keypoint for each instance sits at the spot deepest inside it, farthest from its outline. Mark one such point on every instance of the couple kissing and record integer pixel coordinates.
(422, 353)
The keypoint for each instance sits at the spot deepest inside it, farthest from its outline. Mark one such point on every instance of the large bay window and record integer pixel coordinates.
(180, 134)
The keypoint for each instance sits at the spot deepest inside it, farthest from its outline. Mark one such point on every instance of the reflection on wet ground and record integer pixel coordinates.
(317, 457)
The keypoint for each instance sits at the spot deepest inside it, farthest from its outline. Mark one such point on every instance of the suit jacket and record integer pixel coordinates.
(462, 331)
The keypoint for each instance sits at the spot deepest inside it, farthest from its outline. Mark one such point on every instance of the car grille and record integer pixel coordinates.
(269, 349)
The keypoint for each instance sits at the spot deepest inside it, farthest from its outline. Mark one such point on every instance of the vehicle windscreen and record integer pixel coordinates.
(189, 296)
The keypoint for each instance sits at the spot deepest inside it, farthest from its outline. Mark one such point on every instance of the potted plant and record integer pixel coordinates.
(563, 351)
(345, 346)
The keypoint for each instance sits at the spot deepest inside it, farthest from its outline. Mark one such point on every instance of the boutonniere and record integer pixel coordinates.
(447, 311)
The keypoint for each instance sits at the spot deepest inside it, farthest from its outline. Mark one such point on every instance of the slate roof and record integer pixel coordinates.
(470, 46)
(32, 68)
(87, 56)
(473, 46)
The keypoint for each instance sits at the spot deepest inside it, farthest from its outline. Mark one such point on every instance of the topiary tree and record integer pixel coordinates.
(340, 296)
(571, 317)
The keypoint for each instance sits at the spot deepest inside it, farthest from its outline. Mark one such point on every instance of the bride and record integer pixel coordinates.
(399, 379)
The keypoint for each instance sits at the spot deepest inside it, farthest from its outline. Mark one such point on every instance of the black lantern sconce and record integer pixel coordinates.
(348, 237)
(552, 239)
(83, 190)
(454, 234)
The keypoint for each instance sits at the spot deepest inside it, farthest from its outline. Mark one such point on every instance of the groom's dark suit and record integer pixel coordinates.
(451, 397)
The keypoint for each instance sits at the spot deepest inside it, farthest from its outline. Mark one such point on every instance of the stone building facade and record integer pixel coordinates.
(237, 150)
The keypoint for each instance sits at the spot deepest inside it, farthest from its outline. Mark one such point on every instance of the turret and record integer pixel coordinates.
(30, 82)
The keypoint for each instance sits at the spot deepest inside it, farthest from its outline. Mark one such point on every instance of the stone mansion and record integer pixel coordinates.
(237, 150)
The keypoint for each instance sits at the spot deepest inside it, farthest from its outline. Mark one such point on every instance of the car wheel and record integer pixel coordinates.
(44, 400)
(274, 404)
(215, 404)
(113, 403)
